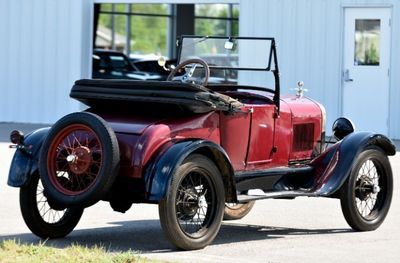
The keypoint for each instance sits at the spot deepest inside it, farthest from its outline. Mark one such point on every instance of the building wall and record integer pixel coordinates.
(44, 49)
(309, 36)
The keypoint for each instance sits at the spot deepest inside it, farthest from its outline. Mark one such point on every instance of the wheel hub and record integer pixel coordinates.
(79, 161)
(376, 189)
(365, 188)
(190, 203)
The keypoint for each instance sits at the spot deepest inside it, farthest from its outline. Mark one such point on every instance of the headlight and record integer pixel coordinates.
(342, 127)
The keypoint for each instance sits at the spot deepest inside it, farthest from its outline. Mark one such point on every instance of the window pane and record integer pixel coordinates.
(367, 42)
(211, 10)
(211, 27)
(235, 13)
(160, 9)
(105, 7)
(235, 28)
(104, 32)
(120, 7)
(149, 35)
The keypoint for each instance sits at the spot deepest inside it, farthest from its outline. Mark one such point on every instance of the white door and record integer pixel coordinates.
(366, 68)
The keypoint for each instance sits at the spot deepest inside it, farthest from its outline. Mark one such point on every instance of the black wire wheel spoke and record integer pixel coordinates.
(367, 189)
(49, 215)
(46, 218)
(191, 203)
(366, 195)
(191, 213)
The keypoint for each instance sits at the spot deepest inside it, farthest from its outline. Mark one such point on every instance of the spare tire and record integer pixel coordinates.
(79, 160)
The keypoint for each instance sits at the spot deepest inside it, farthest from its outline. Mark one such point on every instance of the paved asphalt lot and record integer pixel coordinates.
(300, 230)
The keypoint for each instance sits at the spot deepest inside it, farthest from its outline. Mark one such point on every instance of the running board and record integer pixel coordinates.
(278, 195)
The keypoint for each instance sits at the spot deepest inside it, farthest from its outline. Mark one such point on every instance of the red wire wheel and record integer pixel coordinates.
(79, 160)
(74, 159)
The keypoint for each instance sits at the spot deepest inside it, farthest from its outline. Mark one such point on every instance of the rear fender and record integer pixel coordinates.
(159, 173)
(25, 161)
(333, 167)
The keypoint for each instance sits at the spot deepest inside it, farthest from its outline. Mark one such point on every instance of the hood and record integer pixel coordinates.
(307, 118)
(302, 107)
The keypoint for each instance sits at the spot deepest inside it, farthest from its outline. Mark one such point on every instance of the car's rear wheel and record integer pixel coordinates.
(234, 211)
(39, 215)
(191, 212)
(366, 195)
(79, 160)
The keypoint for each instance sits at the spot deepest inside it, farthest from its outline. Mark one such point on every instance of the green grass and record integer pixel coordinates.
(12, 251)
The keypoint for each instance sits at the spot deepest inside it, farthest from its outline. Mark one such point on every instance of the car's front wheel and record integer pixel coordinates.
(191, 212)
(40, 216)
(366, 195)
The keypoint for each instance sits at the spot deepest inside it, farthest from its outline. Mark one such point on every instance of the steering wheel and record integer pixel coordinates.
(187, 77)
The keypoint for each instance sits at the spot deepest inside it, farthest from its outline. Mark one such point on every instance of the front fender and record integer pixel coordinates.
(160, 171)
(333, 167)
(25, 161)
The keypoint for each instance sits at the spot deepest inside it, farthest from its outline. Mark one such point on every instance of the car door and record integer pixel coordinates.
(260, 146)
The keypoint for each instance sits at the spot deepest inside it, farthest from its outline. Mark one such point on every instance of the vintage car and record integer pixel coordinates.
(109, 64)
(203, 152)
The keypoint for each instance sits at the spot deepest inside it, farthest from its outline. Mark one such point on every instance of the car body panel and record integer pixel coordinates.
(25, 160)
(159, 173)
(333, 167)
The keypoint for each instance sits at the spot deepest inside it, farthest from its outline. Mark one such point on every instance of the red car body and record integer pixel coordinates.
(253, 140)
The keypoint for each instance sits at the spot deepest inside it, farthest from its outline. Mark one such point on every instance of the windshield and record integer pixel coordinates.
(228, 53)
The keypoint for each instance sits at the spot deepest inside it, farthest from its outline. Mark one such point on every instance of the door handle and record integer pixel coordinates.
(346, 76)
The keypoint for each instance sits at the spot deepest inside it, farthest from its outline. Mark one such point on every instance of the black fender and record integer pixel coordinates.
(25, 160)
(159, 173)
(333, 167)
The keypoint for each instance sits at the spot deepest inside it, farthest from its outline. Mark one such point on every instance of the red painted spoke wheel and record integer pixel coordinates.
(74, 159)
(79, 160)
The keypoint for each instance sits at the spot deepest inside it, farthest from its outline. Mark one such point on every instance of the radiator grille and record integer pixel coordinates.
(303, 137)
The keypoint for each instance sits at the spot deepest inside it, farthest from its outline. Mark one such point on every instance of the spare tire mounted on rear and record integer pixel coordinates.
(79, 160)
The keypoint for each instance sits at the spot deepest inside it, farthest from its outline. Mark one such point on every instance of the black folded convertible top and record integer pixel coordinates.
(186, 96)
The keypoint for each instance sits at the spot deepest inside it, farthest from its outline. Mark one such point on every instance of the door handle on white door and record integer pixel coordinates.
(346, 76)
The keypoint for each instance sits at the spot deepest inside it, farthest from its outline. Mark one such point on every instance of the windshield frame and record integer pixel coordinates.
(272, 61)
